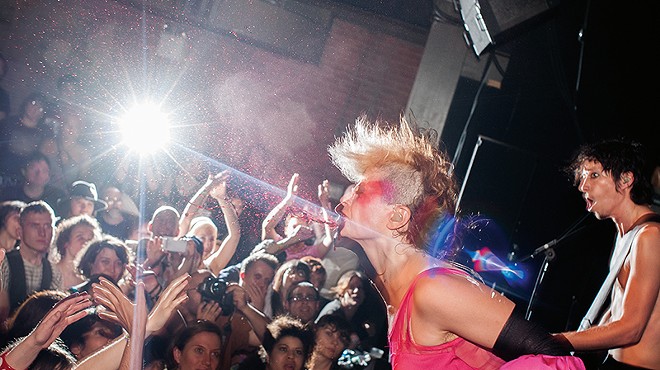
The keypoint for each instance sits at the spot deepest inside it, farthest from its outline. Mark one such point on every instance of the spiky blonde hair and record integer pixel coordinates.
(421, 175)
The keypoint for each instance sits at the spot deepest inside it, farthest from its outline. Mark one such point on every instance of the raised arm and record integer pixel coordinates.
(324, 237)
(276, 214)
(64, 313)
(257, 319)
(197, 201)
(121, 310)
(107, 358)
(116, 307)
(300, 233)
(321, 230)
(220, 258)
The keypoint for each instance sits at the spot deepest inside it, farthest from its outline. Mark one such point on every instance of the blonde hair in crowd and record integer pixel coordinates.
(421, 175)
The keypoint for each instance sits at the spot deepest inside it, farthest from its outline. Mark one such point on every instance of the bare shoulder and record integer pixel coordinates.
(440, 291)
(458, 303)
(649, 237)
(646, 250)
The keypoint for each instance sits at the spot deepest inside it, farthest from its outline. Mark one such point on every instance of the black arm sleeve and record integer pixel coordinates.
(520, 337)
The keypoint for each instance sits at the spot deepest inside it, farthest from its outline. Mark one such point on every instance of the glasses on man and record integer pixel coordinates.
(303, 299)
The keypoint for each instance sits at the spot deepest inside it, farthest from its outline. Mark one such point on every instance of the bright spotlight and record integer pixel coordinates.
(145, 128)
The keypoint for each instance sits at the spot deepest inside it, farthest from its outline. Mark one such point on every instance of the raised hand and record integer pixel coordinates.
(169, 300)
(131, 316)
(155, 253)
(218, 185)
(118, 308)
(324, 195)
(64, 313)
(292, 189)
(209, 311)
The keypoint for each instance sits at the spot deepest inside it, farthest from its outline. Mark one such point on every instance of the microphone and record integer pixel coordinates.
(540, 250)
(545, 247)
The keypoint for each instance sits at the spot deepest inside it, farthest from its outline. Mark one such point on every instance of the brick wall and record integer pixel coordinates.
(265, 113)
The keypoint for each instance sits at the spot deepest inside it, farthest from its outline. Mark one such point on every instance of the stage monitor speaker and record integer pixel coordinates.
(496, 183)
(487, 22)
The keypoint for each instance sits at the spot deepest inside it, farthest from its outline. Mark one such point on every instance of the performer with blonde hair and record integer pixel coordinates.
(401, 211)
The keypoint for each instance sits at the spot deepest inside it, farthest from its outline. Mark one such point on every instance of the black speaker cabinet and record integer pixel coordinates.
(490, 21)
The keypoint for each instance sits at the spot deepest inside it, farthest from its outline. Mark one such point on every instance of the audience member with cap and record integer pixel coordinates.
(83, 199)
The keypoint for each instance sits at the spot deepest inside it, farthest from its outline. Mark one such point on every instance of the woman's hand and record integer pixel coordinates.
(118, 308)
(169, 300)
(324, 195)
(218, 185)
(64, 313)
(292, 189)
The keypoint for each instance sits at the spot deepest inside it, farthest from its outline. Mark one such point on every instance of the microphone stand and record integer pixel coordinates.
(549, 255)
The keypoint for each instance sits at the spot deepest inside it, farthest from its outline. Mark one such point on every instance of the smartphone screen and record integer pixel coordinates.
(174, 245)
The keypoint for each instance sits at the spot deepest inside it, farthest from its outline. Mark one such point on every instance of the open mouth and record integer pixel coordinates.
(340, 220)
(590, 203)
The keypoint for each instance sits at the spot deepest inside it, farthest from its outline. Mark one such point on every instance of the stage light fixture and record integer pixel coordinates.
(145, 128)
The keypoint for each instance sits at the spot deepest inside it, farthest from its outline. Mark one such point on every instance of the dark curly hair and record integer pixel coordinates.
(65, 228)
(287, 326)
(86, 257)
(618, 156)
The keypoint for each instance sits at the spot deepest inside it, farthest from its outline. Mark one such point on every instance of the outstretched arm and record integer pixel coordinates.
(477, 314)
(131, 317)
(64, 313)
(107, 357)
(639, 298)
(276, 214)
(220, 258)
(121, 310)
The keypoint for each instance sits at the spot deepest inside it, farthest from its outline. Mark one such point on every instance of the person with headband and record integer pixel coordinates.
(401, 211)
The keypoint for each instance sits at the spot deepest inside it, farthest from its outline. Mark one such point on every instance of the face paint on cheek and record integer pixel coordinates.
(375, 189)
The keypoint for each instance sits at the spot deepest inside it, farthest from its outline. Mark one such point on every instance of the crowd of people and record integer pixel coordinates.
(50, 256)
(85, 282)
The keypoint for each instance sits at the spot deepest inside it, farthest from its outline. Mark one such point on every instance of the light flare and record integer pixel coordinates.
(145, 128)
(485, 260)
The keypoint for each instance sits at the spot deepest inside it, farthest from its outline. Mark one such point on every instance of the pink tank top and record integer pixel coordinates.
(457, 354)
